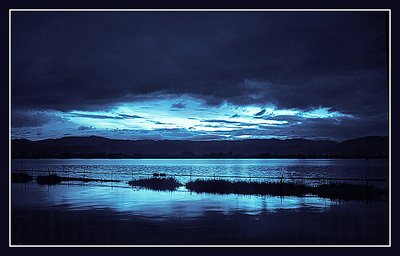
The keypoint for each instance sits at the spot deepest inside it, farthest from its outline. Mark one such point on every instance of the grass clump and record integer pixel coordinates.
(159, 174)
(168, 184)
(349, 191)
(53, 179)
(20, 177)
(219, 186)
(86, 179)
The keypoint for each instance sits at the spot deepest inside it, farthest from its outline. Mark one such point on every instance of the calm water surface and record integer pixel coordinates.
(156, 204)
(124, 168)
(69, 212)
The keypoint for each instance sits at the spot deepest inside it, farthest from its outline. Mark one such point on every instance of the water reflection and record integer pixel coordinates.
(155, 204)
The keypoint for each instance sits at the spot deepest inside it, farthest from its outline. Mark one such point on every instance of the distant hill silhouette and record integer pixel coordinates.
(99, 147)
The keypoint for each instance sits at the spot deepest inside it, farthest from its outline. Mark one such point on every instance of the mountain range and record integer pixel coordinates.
(100, 147)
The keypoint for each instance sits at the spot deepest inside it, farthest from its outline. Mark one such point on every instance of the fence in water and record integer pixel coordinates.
(111, 175)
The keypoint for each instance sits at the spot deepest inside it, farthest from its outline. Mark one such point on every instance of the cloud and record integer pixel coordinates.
(178, 105)
(343, 54)
(32, 118)
(99, 61)
(104, 116)
(83, 127)
(126, 116)
(262, 112)
(95, 116)
(220, 121)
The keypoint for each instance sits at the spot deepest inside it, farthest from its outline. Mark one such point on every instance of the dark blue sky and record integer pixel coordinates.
(199, 75)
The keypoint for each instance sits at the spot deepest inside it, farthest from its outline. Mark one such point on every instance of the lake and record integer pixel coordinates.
(115, 213)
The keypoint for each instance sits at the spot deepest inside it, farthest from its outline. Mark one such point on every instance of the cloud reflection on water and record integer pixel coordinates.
(157, 204)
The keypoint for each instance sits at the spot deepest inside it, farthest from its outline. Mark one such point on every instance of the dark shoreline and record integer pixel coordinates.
(100, 147)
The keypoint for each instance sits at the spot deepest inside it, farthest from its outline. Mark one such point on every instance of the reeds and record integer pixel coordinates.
(87, 179)
(20, 177)
(159, 182)
(348, 191)
(50, 179)
(219, 186)
(53, 179)
(332, 191)
(168, 184)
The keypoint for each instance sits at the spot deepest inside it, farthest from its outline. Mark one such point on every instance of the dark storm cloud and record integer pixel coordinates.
(340, 129)
(96, 116)
(288, 118)
(76, 60)
(318, 128)
(93, 60)
(31, 118)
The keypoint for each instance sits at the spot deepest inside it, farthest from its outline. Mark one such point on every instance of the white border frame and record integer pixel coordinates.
(203, 10)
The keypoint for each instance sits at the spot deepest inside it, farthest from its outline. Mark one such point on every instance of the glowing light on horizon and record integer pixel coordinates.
(192, 115)
(164, 118)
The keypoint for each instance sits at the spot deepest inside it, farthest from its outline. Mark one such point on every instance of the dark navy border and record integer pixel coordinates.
(5, 5)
